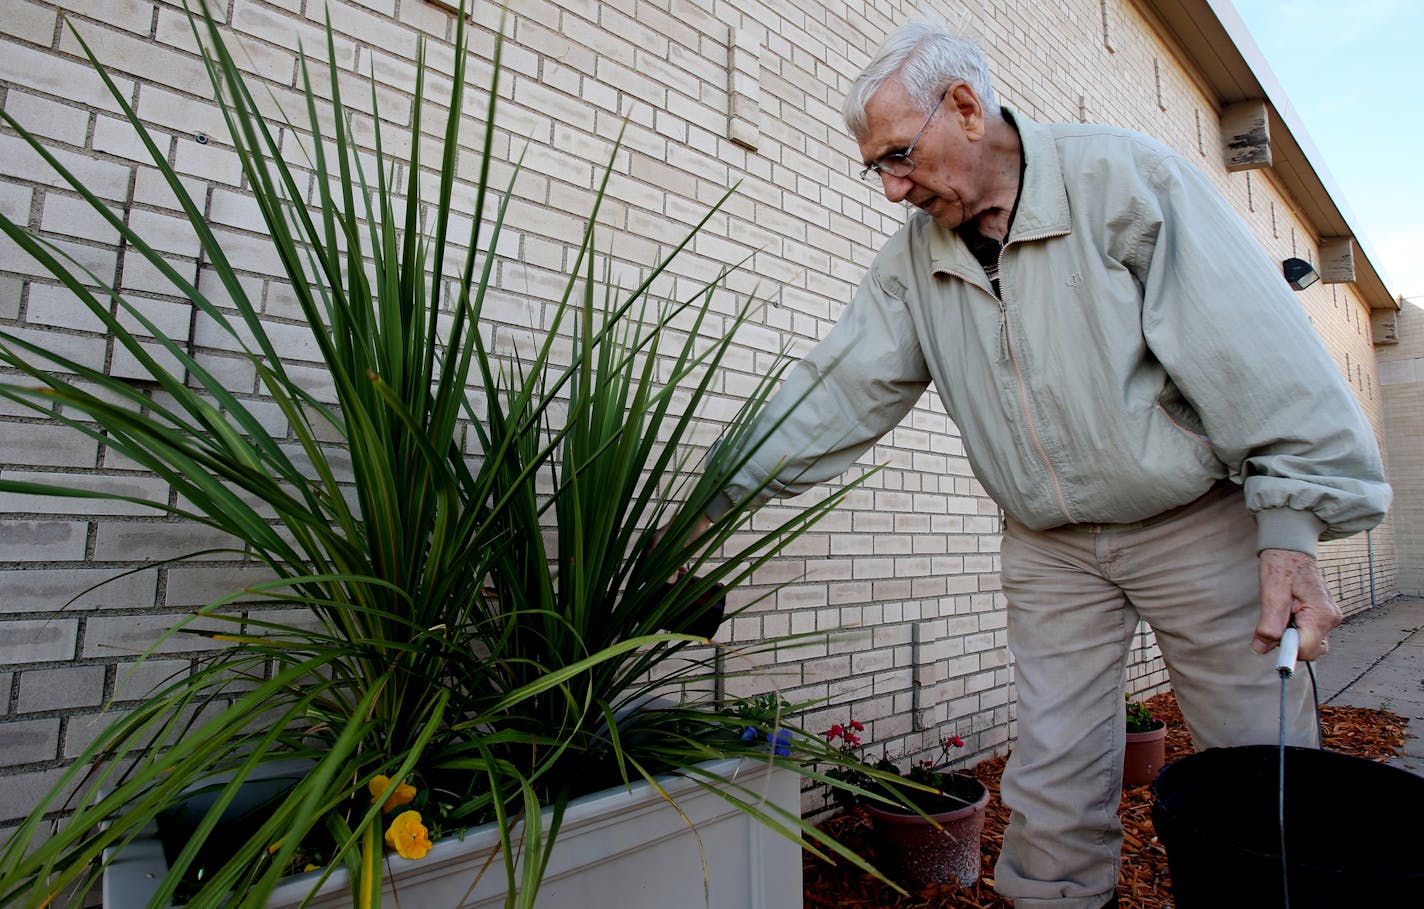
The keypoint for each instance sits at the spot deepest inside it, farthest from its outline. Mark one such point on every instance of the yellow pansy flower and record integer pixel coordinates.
(408, 836)
(402, 795)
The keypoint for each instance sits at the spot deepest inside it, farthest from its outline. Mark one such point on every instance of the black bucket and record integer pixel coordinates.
(1352, 830)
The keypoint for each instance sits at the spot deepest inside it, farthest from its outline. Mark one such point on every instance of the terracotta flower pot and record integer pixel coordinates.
(915, 852)
(1144, 756)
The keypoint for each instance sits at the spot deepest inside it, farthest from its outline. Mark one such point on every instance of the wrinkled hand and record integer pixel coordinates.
(1291, 585)
(703, 525)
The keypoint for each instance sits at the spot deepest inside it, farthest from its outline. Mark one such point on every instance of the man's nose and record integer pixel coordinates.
(896, 188)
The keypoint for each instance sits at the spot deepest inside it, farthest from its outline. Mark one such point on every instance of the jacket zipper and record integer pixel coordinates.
(1023, 389)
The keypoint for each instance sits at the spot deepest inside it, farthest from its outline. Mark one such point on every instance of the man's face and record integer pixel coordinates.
(948, 176)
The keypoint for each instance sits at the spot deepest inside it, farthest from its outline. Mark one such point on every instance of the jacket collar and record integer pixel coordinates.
(1042, 208)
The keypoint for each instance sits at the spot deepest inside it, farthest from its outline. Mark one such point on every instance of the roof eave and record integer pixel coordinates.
(1218, 43)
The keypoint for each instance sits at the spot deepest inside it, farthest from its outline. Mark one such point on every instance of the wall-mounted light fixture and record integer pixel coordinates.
(1299, 273)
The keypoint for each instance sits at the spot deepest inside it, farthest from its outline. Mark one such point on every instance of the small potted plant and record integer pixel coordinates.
(928, 819)
(1146, 749)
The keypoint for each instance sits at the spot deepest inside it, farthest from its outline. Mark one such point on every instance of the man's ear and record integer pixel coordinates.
(970, 110)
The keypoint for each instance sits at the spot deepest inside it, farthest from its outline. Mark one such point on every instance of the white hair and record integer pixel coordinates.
(928, 57)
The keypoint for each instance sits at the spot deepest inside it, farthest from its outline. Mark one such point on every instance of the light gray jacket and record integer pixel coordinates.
(1144, 348)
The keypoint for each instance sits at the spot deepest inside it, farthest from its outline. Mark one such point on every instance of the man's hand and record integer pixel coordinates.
(703, 525)
(1291, 585)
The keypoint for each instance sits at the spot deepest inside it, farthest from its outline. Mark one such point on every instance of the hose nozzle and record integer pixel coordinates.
(1287, 653)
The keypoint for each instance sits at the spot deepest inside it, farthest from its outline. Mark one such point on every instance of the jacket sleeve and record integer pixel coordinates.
(1221, 319)
(850, 390)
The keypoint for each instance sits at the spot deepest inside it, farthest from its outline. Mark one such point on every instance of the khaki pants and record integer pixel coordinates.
(1074, 599)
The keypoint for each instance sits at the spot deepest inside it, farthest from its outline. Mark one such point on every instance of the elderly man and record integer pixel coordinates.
(1137, 389)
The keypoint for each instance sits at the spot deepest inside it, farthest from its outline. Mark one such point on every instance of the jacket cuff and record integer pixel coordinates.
(720, 506)
(1287, 528)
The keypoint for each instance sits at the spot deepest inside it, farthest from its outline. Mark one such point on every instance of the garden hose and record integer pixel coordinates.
(1285, 665)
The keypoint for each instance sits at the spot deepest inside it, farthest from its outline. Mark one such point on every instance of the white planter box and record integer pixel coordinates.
(617, 849)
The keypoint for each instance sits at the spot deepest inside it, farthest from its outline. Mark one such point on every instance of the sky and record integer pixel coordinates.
(1354, 71)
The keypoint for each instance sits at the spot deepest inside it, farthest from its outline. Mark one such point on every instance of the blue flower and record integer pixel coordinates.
(780, 742)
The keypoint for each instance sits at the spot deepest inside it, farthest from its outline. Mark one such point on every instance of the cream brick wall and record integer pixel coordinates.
(910, 564)
(1401, 379)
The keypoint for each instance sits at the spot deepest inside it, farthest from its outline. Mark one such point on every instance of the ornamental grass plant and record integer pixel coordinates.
(467, 618)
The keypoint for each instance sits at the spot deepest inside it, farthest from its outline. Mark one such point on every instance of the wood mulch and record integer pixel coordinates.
(1143, 883)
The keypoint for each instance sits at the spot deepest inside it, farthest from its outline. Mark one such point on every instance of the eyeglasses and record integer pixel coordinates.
(899, 164)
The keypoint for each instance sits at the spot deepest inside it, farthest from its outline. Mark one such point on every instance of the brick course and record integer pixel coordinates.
(1401, 388)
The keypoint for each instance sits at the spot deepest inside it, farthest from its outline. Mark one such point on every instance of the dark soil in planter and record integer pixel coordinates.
(1143, 883)
(962, 790)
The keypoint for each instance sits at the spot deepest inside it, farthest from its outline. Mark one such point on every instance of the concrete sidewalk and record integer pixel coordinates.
(1376, 659)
